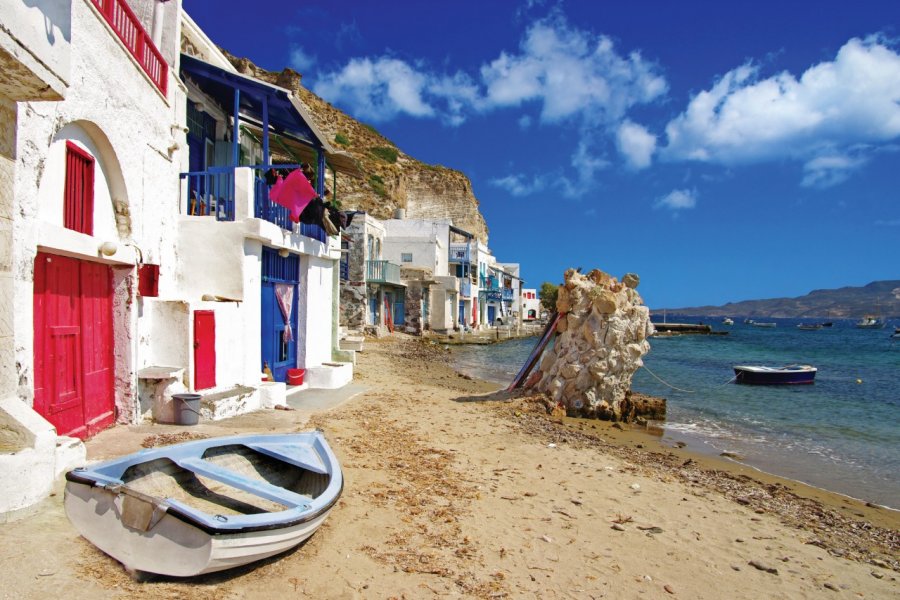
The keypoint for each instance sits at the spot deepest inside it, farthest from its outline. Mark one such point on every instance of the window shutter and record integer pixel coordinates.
(78, 205)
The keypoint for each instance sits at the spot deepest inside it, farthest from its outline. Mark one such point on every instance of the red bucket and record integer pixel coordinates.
(295, 376)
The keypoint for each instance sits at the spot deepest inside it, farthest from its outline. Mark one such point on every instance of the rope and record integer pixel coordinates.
(666, 383)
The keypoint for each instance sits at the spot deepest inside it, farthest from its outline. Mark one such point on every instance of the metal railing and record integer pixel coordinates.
(264, 208)
(465, 288)
(211, 193)
(382, 271)
(459, 253)
(129, 29)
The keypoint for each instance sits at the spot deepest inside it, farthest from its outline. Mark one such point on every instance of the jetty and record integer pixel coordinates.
(671, 329)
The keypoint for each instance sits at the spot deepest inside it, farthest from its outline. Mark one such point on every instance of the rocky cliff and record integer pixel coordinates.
(392, 179)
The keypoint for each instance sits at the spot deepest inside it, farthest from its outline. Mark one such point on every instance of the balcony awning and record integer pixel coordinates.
(461, 232)
(286, 115)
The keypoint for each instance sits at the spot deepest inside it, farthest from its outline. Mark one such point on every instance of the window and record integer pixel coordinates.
(406, 257)
(78, 203)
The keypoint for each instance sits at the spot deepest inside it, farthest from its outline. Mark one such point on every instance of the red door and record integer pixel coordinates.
(73, 344)
(204, 349)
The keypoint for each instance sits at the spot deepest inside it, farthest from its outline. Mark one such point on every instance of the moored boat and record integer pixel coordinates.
(206, 505)
(759, 324)
(869, 322)
(810, 326)
(727, 321)
(762, 375)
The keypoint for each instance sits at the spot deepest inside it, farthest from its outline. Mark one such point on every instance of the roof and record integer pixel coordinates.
(287, 116)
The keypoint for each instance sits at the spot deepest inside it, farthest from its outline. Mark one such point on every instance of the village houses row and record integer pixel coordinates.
(141, 257)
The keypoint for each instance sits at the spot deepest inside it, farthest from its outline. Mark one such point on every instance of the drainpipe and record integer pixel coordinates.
(159, 13)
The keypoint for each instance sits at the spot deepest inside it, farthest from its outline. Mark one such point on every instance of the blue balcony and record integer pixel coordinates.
(382, 271)
(507, 294)
(465, 288)
(212, 193)
(459, 253)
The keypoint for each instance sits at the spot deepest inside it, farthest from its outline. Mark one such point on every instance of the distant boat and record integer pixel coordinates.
(787, 375)
(827, 324)
(869, 322)
(749, 321)
(810, 326)
(896, 334)
(727, 321)
(757, 324)
(206, 505)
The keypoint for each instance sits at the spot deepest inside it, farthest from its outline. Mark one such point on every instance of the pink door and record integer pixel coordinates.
(204, 349)
(73, 344)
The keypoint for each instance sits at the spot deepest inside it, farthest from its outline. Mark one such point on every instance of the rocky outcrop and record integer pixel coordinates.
(602, 339)
(392, 179)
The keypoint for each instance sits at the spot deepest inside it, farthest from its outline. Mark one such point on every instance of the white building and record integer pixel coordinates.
(531, 305)
(117, 290)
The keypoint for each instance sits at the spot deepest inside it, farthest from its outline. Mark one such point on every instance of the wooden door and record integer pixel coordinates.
(204, 349)
(73, 345)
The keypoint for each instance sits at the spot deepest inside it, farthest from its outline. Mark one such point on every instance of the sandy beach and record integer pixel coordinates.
(453, 489)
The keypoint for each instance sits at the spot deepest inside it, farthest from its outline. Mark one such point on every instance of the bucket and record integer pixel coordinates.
(186, 409)
(295, 376)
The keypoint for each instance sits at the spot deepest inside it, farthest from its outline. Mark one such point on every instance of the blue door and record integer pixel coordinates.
(399, 311)
(373, 310)
(462, 314)
(278, 353)
(492, 311)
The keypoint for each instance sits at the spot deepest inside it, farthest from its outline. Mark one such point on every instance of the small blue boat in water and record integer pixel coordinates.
(787, 375)
(206, 505)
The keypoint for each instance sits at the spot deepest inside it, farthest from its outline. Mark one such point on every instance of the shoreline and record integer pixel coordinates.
(455, 489)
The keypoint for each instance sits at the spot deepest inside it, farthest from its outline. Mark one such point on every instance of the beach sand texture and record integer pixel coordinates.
(452, 492)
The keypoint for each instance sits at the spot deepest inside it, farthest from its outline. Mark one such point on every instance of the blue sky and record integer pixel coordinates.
(723, 151)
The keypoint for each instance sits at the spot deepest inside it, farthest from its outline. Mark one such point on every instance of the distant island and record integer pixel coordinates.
(879, 298)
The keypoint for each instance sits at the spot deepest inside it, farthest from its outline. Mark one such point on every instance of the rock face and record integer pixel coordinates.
(392, 179)
(602, 339)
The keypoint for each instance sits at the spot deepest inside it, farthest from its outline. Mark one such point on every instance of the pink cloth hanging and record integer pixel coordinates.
(284, 293)
(293, 192)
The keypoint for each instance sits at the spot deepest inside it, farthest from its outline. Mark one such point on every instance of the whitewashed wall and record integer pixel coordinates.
(113, 111)
(315, 311)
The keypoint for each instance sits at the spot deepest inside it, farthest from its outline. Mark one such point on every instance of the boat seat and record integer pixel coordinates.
(299, 455)
(252, 486)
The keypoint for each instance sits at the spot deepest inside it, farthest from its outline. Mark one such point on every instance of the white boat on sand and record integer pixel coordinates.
(206, 505)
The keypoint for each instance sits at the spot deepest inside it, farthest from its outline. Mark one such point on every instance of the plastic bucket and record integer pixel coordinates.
(186, 409)
(295, 376)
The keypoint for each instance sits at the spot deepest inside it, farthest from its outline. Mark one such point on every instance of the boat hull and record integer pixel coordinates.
(172, 547)
(770, 376)
(207, 505)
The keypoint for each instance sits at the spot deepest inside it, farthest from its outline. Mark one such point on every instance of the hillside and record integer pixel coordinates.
(881, 298)
(392, 179)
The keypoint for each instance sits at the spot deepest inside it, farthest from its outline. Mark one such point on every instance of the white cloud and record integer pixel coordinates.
(636, 144)
(567, 72)
(520, 185)
(301, 60)
(524, 122)
(829, 170)
(832, 107)
(678, 200)
(570, 73)
(889, 222)
(378, 90)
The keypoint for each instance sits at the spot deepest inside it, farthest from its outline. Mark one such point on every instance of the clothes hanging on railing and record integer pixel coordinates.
(293, 192)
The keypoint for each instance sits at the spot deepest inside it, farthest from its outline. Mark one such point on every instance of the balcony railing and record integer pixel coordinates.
(459, 253)
(465, 288)
(264, 208)
(131, 32)
(382, 271)
(211, 193)
(507, 294)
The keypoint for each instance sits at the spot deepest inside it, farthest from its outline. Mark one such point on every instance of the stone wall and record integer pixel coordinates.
(602, 339)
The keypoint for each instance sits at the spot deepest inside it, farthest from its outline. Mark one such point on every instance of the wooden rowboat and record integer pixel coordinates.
(206, 505)
(762, 375)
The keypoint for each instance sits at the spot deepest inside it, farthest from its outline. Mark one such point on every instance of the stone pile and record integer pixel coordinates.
(602, 337)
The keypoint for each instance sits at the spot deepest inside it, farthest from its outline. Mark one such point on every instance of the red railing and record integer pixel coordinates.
(119, 16)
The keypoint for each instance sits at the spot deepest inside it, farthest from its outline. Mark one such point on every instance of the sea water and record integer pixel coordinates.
(842, 433)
